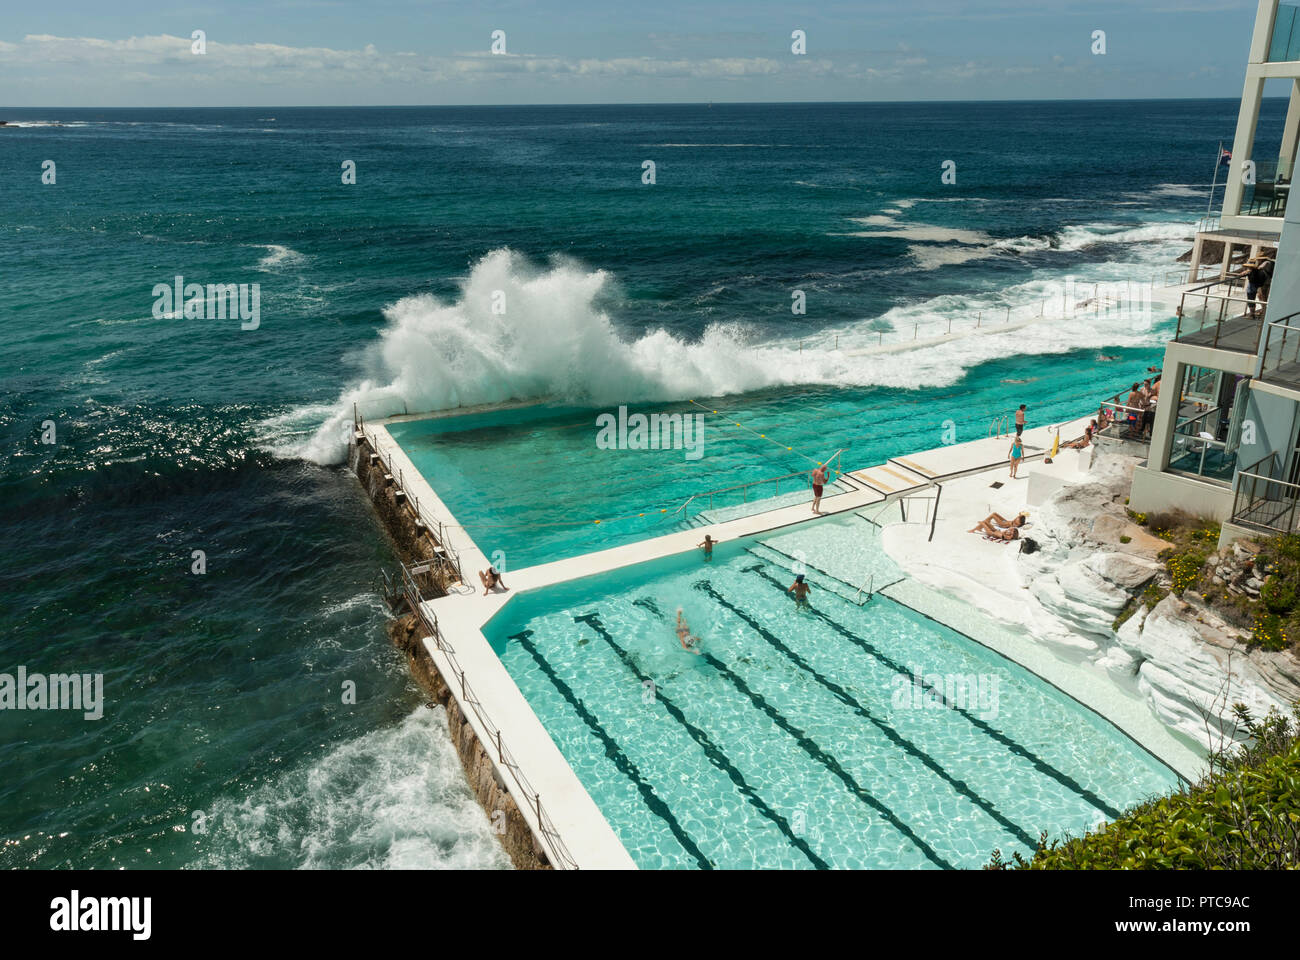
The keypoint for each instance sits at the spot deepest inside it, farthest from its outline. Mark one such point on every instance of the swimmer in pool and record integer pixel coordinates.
(708, 546)
(800, 590)
(684, 636)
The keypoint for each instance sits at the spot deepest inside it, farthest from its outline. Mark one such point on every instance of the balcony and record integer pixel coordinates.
(1219, 319)
(1284, 46)
(1196, 449)
(1281, 363)
(1268, 195)
(1263, 502)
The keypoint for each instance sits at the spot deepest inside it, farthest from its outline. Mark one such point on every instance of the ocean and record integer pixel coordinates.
(230, 736)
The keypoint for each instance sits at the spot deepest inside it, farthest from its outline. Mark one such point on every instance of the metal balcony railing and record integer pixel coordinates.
(1219, 320)
(1281, 363)
(1263, 502)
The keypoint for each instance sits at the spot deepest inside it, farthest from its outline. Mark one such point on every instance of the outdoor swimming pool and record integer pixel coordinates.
(851, 734)
(530, 483)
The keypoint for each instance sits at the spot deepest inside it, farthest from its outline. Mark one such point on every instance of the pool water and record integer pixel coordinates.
(853, 733)
(529, 484)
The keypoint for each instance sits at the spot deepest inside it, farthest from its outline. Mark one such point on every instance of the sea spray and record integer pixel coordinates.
(556, 341)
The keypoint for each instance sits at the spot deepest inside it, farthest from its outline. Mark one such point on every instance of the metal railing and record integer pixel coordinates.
(1191, 438)
(1263, 502)
(805, 475)
(442, 550)
(1123, 422)
(547, 834)
(1281, 347)
(1200, 310)
(999, 426)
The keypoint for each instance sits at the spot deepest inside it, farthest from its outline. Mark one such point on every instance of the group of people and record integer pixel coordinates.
(690, 641)
(1141, 403)
(997, 527)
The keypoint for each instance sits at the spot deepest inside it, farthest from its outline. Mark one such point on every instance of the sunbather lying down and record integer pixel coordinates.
(996, 519)
(991, 532)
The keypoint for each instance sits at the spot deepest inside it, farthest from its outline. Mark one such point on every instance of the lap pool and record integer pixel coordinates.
(853, 733)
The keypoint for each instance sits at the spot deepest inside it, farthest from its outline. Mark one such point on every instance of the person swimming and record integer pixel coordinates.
(800, 590)
(684, 635)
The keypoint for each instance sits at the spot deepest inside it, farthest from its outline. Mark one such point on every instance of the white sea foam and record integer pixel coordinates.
(392, 798)
(557, 342)
(278, 256)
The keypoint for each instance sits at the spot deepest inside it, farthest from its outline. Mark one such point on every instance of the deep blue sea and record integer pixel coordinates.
(224, 690)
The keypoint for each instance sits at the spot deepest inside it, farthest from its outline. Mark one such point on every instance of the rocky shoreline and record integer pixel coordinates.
(1183, 658)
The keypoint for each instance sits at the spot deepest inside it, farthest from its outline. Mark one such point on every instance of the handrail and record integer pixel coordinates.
(449, 554)
(557, 852)
(1286, 327)
(753, 483)
(938, 492)
(1206, 310)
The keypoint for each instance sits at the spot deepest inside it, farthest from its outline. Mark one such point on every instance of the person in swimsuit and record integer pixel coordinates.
(818, 480)
(800, 590)
(1016, 455)
(1020, 423)
(997, 520)
(1083, 441)
(708, 547)
(684, 636)
(993, 533)
(491, 580)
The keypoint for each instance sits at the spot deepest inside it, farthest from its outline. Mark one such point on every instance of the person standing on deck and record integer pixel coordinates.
(818, 482)
(1256, 278)
(1016, 454)
(1020, 422)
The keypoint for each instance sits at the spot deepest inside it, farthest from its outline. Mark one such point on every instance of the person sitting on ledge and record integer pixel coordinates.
(1083, 441)
(491, 580)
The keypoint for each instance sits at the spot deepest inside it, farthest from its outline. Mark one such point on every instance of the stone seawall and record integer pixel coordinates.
(414, 544)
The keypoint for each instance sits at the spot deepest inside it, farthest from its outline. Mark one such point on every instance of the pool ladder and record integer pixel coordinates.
(869, 587)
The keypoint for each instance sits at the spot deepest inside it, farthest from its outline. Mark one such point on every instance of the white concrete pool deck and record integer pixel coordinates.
(958, 572)
(462, 616)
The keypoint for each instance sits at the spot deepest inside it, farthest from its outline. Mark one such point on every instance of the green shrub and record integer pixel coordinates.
(1125, 539)
(1278, 594)
(1153, 593)
(1184, 567)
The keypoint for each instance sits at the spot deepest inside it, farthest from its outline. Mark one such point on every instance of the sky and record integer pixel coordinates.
(130, 53)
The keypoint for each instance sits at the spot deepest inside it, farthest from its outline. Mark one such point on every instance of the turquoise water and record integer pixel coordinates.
(528, 485)
(224, 692)
(851, 734)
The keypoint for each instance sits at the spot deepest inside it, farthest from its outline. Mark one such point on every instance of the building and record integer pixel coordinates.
(1225, 441)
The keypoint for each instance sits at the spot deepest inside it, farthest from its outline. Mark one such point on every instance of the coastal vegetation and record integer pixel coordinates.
(1252, 585)
(1244, 815)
